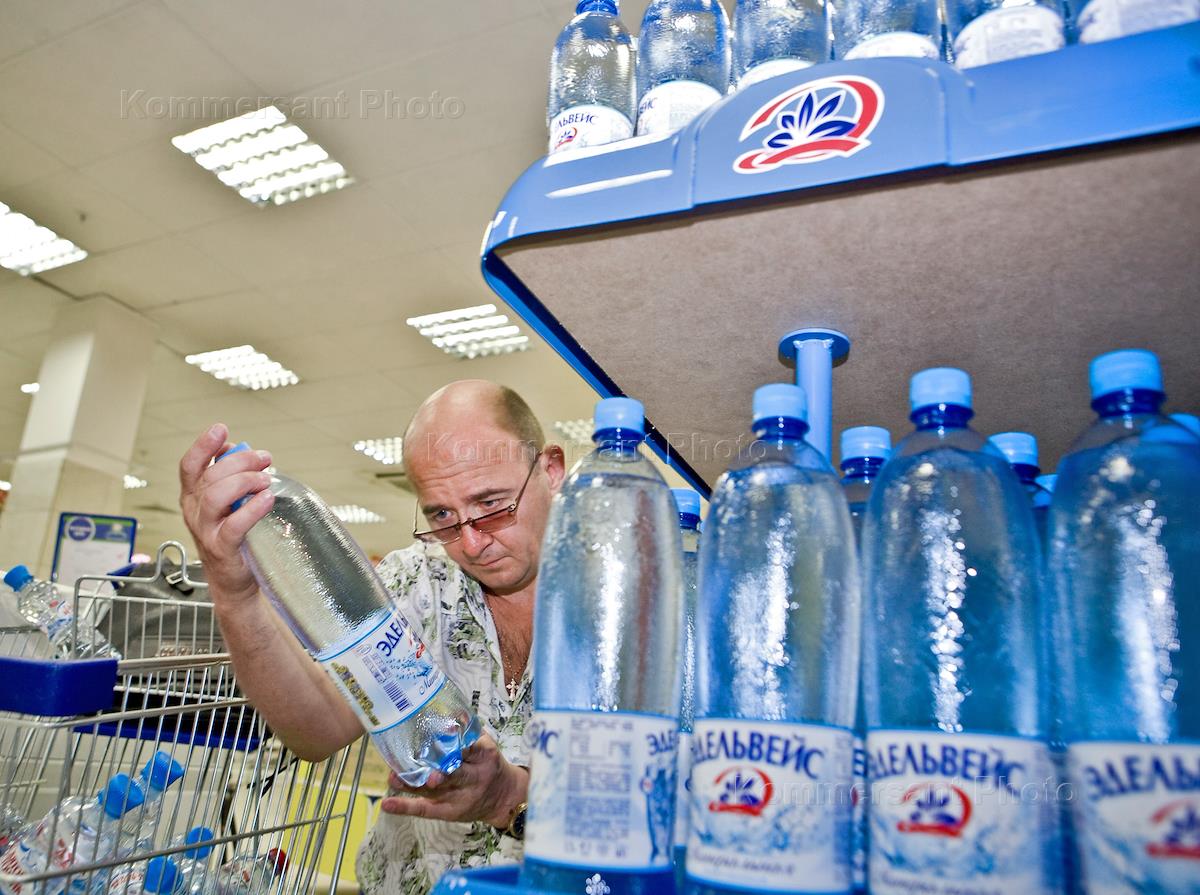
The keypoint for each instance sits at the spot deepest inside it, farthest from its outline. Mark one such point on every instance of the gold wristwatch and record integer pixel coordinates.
(516, 823)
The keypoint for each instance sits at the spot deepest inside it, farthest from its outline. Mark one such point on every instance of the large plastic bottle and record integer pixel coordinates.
(987, 31)
(865, 29)
(776, 668)
(682, 63)
(864, 451)
(593, 79)
(41, 604)
(1107, 19)
(1125, 564)
(687, 502)
(326, 589)
(1189, 421)
(775, 37)
(76, 831)
(606, 672)
(960, 779)
(194, 877)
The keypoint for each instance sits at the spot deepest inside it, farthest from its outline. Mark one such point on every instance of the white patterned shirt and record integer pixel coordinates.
(406, 855)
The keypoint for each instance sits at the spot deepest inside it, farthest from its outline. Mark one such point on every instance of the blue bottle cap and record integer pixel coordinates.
(161, 771)
(940, 385)
(1189, 421)
(1047, 482)
(608, 6)
(620, 413)
(236, 449)
(17, 577)
(780, 399)
(686, 500)
(121, 796)
(198, 834)
(1017, 447)
(161, 875)
(1120, 370)
(866, 441)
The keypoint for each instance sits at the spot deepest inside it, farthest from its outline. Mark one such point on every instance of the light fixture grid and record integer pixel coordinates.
(28, 248)
(245, 367)
(353, 514)
(477, 331)
(388, 451)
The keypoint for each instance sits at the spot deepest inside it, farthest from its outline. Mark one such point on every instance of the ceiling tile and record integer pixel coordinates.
(23, 160)
(25, 24)
(351, 427)
(172, 379)
(348, 394)
(26, 307)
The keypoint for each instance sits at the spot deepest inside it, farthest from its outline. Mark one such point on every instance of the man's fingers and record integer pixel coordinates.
(418, 807)
(233, 529)
(222, 494)
(200, 454)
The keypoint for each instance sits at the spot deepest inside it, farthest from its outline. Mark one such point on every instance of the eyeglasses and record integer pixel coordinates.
(485, 524)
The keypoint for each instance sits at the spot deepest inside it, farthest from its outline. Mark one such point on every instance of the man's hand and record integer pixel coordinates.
(486, 787)
(207, 491)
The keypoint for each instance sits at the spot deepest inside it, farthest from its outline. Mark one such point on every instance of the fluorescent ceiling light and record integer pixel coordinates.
(578, 431)
(265, 157)
(31, 388)
(244, 367)
(477, 331)
(28, 248)
(133, 483)
(353, 514)
(388, 451)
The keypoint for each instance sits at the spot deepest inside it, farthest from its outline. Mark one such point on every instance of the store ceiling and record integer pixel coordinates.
(323, 285)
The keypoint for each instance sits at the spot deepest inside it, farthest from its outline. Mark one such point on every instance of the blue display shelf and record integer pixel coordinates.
(489, 881)
(836, 130)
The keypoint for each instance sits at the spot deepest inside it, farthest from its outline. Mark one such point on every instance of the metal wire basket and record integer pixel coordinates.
(68, 727)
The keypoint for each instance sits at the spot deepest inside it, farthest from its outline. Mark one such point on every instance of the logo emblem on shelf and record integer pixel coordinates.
(818, 120)
(743, 790)
(936, 810)
(1179, 824)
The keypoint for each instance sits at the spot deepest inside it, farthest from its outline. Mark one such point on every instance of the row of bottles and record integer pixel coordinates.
(603, 83)
(1025, 725)
(187, 872)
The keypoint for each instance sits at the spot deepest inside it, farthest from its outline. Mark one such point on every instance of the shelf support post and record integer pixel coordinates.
(813, 353)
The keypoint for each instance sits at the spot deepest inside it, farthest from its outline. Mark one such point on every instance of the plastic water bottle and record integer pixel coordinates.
(683, 62)
(326, 589)
(1125, 564)
(987, 31)
(158, 774)
(1189, 421)
(864, 451)
(687, 502)
(775, 37)
(865, 29)
(593, 79)
(194, 878)
(40, 603)
(776, 668)
(606, 672)
(158, 876)
(1107, 19)
(11, 822)
(251, 874)
(956, 747)
(76, 831)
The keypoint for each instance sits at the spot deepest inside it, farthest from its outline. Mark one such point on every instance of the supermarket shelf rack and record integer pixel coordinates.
(68, 726)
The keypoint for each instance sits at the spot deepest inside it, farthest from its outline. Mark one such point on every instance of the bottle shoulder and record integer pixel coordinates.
(591, 27)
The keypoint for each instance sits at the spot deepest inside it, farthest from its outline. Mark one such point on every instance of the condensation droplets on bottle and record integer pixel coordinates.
(683, 62)
(325, 588)
(775, 37)
(593, 79)
(864, 29)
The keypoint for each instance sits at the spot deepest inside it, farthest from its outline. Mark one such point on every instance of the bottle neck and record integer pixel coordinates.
(861, 469)
(689, 522)
(607, 7)
(1128, 402)
(781, 430)
(622, 441)
(942, 416)
(1027, 474)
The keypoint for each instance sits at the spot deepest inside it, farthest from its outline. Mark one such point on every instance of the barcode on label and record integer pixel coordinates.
(397, 695)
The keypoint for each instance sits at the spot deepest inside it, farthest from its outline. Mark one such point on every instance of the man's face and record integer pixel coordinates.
(467, 475)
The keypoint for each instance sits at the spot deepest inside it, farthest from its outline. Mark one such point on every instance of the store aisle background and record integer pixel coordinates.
(91, 94)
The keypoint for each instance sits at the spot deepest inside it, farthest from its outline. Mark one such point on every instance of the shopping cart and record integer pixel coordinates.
(67, 727)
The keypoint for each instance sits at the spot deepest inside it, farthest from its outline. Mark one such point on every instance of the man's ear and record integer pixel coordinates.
(555, 464)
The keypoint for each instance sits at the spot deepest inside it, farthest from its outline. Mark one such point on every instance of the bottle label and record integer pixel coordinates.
(668, 107)
(1137, 812)
(895, 43)
(960, 814)
(591, 125)
(383, 670)
(858, 804)
(1109, 19)
(683, 791)
(771, 69)
(771, 806)
(1008, 34)
(601, 789)
(59, 622)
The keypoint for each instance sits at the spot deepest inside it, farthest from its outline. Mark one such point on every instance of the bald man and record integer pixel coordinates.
(472, 451)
